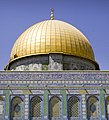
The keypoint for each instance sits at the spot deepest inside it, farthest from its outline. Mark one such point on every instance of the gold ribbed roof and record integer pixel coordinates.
(52, 36)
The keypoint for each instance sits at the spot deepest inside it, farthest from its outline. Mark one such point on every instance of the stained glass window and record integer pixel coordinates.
(54, 108)
(93, 107)
(16, 108)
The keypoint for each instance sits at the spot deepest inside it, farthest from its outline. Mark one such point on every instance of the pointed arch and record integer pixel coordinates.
(1, 108)
(35, 107)
(73, 107)
(107, 107)
(16, 108)
(92, 107)
(55, 108)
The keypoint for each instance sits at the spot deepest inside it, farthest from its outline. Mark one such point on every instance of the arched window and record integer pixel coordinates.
(107, 107)
(55, 108)
(92, 107)
(35, 108)
(1, 108)
(73, 107)
(16, 108)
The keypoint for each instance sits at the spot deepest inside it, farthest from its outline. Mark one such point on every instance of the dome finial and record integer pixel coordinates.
(52, 14)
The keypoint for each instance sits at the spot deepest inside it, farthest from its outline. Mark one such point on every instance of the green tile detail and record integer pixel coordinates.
(102, 102)
(63, 92)
(7, 94)
(46, 102)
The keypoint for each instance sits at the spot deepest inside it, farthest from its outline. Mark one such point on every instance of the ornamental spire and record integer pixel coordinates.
(52, 14)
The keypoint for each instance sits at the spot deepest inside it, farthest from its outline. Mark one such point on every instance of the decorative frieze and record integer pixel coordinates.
(56, 75)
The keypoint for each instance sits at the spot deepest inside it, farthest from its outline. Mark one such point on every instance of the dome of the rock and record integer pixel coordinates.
(52, 36)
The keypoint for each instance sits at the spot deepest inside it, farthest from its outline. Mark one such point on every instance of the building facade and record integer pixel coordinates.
(52, 75)
(54, 95)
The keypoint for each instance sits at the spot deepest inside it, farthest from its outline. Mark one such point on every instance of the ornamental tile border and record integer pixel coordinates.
(54, 75)
(54, 79)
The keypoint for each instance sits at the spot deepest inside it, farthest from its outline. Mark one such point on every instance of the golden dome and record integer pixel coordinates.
(52, 36)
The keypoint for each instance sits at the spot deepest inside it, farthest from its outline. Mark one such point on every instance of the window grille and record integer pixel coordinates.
(107, 107)
(1, 108)
(35, 108)
(73, 108)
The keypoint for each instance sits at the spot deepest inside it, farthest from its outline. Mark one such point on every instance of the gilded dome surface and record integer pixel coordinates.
(52, 36)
